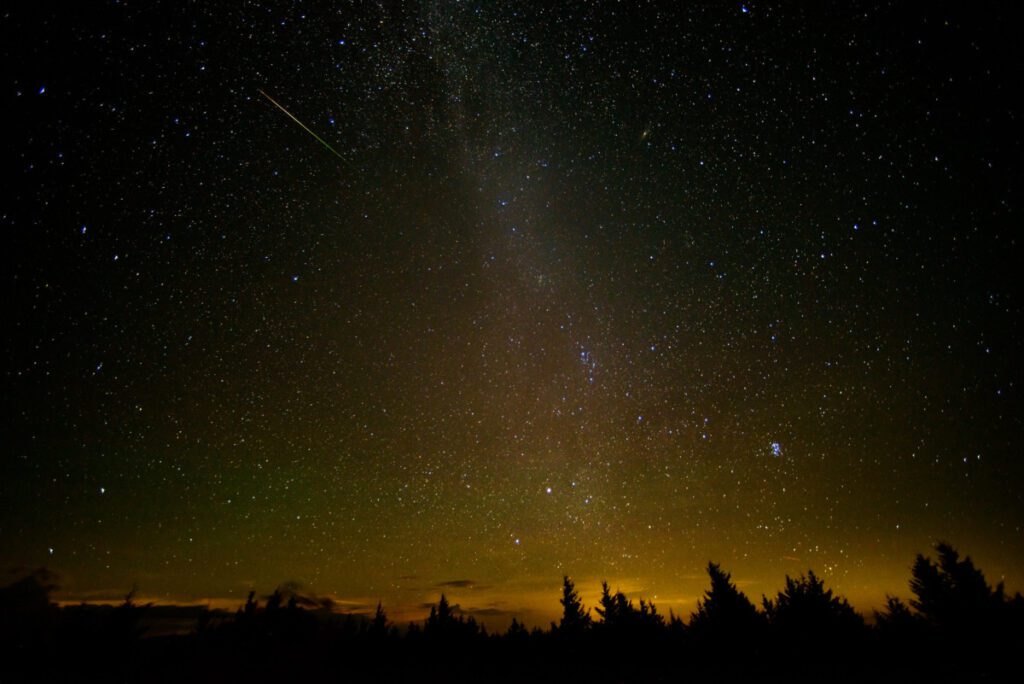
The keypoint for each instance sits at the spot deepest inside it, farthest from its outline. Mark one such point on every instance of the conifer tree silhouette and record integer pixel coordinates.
(606, 605)
(379, 624)
(250, 605)
(614, 609)
(953, 593)
(274, 602)
(954, 612)
(649, 621)
(516, 632)
(26, 614)
(444, 610)
(806, 609)
(896, 616)
(619, 615)
(900, 631)
(441, 622)
(724, 611)
(575, 619)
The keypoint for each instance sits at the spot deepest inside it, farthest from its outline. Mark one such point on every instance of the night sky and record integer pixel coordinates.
(607, 290)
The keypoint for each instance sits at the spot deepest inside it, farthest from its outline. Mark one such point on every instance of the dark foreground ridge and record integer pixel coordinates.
(956, 628)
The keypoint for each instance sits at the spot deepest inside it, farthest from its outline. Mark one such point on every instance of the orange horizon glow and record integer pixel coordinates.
(534, 604)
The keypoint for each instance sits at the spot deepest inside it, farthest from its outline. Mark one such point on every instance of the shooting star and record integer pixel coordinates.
(304, 126)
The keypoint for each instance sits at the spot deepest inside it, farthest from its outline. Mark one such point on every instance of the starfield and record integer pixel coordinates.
(700, 318)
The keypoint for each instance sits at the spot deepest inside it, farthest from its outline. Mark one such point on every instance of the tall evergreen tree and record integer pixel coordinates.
(618, 613)
(896, 618)
(575, 619)
(379, 624)
(444, 611)
(724, 610)
(807, 608)
(953, 592)
(516, 632)
(274, 601)
(613, 608)
(442, 620)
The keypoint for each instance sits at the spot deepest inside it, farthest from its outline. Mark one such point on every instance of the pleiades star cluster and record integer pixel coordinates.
(389, 299)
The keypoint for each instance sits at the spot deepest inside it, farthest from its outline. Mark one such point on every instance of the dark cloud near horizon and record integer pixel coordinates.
(309, 599)
(491, 610)
(461, 584)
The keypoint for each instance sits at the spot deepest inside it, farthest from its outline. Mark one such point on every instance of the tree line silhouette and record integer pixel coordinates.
(956, 627)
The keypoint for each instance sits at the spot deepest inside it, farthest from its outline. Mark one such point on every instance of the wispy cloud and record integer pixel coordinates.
(460, 584)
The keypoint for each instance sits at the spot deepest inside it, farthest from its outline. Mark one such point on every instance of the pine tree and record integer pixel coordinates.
(379, 624)
(807, 608)
(724, 608)
(444, 611)
(250, 606)
(274, 601)
(953, 592)
(897, 616)
(607, 607)
(575, 619)
(516, 632)
(441, 619)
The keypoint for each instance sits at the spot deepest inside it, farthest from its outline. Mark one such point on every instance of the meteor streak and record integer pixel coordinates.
(304, 126)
